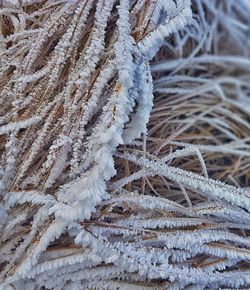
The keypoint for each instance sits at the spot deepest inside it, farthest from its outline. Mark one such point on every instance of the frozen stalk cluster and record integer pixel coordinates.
(98, 188)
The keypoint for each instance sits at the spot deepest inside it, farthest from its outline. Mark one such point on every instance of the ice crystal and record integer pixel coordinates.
(124, 144)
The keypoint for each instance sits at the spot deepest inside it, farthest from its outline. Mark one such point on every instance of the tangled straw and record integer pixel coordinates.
(99, 190)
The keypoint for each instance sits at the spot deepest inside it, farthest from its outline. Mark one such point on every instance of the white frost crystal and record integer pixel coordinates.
(122, 124)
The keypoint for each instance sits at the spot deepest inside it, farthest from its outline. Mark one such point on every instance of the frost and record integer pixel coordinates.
(124, 144)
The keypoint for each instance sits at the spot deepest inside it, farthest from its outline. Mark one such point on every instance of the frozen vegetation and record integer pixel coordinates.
(124, 144)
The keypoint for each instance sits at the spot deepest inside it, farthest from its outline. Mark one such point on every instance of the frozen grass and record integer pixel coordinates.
(118, 173)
